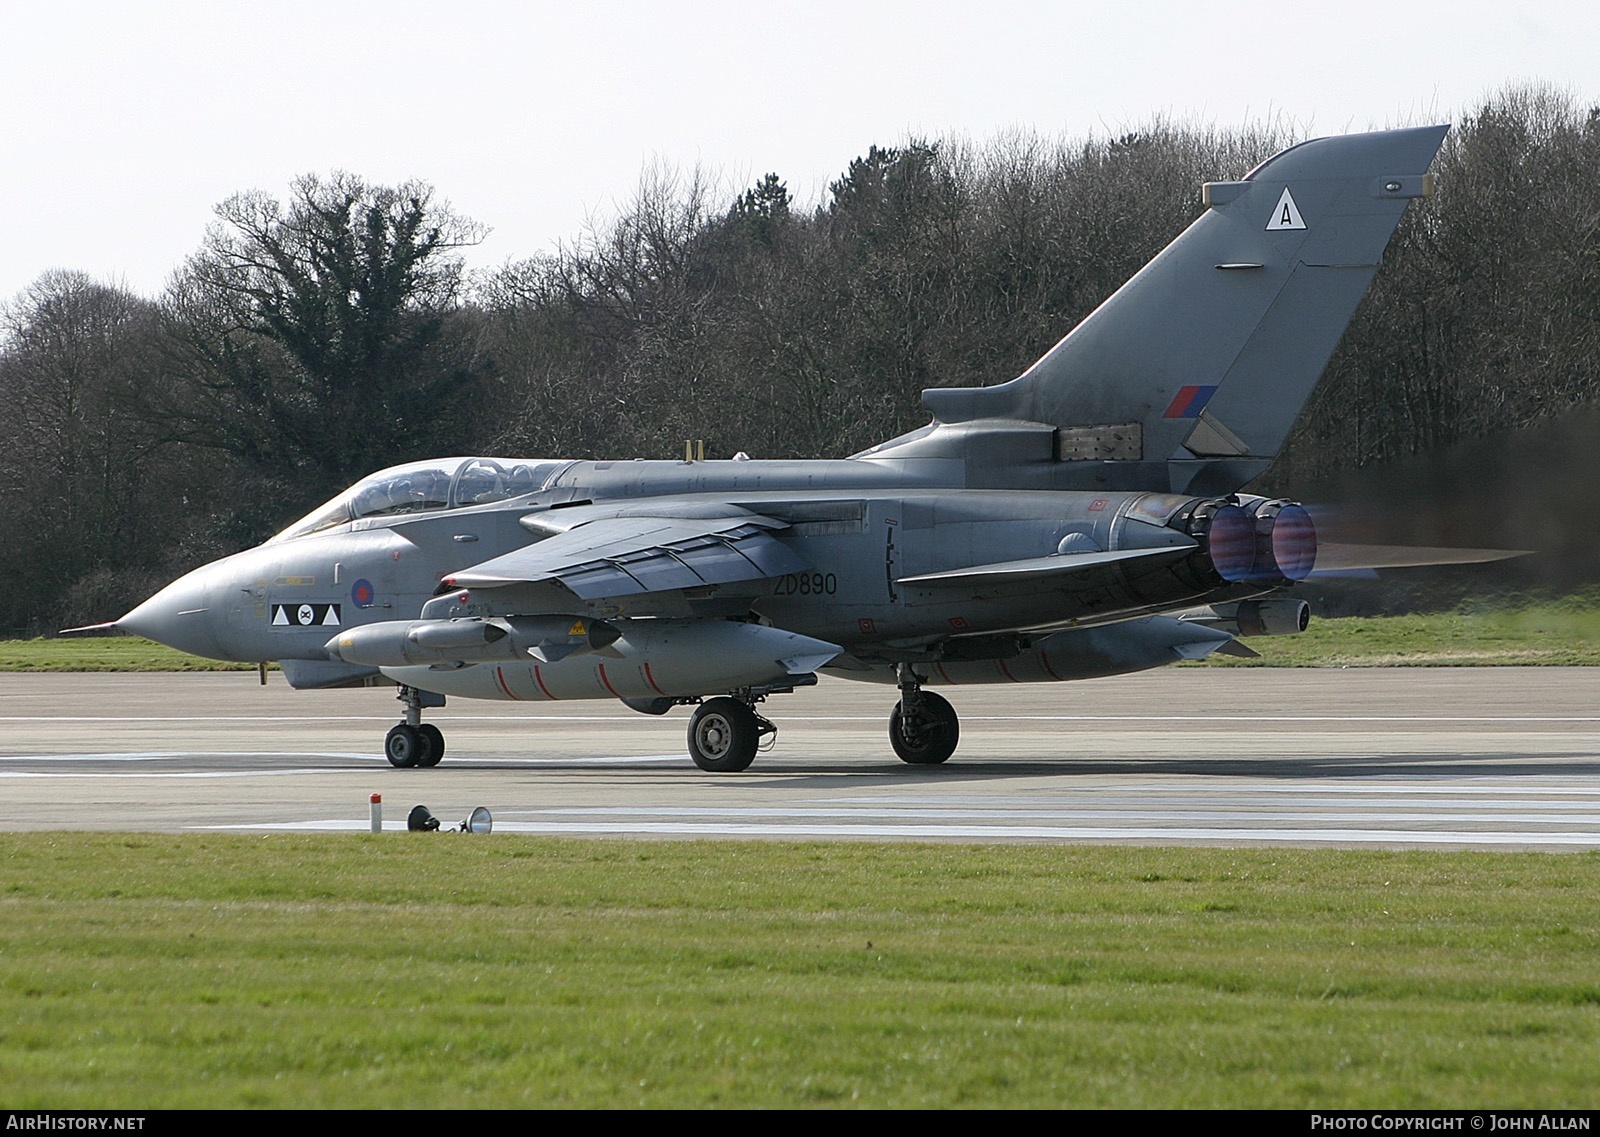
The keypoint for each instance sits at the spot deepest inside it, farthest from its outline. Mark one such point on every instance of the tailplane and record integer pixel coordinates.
(1202, 362)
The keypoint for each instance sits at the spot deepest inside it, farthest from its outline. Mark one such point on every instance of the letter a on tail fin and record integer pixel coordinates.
(1204, 359)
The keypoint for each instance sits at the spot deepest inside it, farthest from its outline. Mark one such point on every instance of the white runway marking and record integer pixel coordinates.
(1591, 817)
(167, 775)
(1497, 787)
(178, 755)
(297, 720)
(1281, 718)
(468, 718)
(233, 756)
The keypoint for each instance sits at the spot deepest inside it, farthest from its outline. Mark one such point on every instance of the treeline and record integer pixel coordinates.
(1486, 315)
(314, 339)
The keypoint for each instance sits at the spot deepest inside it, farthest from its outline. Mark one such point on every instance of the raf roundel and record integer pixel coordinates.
(362, 594)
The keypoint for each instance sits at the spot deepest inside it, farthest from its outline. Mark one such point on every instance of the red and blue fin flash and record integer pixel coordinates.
(1190, 401)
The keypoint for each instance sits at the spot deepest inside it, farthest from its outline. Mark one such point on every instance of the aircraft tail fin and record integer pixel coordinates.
(1204, 359)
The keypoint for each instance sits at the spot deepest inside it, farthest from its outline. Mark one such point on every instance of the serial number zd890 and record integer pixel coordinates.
(806, 584)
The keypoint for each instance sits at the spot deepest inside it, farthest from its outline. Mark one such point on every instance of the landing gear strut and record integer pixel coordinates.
(414, 742)
(923, 727)
(724, 734)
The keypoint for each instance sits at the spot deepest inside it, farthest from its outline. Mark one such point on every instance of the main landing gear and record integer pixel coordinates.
(923, 728)
(414, 742)
(724, 734)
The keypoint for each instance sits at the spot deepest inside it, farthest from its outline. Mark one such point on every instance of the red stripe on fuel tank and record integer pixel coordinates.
(651, 679)
(500, 675)
(539, 679)
(601, 668)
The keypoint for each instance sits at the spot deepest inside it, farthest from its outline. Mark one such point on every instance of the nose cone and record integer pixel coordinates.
(187, 614)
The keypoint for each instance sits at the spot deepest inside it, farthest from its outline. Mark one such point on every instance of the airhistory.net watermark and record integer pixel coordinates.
(93, 1122)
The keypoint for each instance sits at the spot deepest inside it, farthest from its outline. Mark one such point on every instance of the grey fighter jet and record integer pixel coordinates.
(1084, 519)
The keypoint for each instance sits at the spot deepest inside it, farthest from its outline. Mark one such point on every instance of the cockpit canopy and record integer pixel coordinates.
(442, 483)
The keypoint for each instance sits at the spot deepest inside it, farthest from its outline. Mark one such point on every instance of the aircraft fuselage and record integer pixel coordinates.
(858, 545)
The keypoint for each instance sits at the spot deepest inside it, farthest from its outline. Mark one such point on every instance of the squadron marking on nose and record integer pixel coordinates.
(306, 616)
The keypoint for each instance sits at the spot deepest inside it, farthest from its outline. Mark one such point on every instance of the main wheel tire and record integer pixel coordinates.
(723, 734)
(932, 737)
(406, 746)
(434, 738)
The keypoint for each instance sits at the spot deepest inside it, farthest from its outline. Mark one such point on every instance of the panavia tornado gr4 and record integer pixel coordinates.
(1083, 519)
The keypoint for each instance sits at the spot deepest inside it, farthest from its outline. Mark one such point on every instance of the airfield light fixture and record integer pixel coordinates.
(420, 820)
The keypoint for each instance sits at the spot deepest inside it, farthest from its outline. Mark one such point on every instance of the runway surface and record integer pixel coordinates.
(1468, 758)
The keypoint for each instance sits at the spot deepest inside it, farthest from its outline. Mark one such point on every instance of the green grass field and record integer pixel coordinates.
(103, 653)
(445, 970)
(1545, 634)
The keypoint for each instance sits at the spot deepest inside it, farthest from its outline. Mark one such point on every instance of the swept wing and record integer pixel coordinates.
(601, 553)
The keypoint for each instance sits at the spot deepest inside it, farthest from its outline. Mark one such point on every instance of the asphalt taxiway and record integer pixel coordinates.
(1433, 757)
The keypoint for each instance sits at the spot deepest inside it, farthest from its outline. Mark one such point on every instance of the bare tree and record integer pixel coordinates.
(81, 474)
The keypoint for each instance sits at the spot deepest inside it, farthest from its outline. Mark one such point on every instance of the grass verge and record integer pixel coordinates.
(103, 653)
(433, 971)
(1549, 634)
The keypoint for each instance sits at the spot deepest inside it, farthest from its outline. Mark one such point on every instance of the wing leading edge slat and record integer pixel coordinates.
(619, 556)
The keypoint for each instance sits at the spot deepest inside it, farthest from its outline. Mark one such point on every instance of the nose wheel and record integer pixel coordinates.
(408, 745)
(413, 742)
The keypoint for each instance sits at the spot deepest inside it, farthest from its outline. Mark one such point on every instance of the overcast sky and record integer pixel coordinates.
(123, 124)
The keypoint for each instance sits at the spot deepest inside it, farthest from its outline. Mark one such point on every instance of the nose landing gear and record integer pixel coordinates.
(414, 742)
